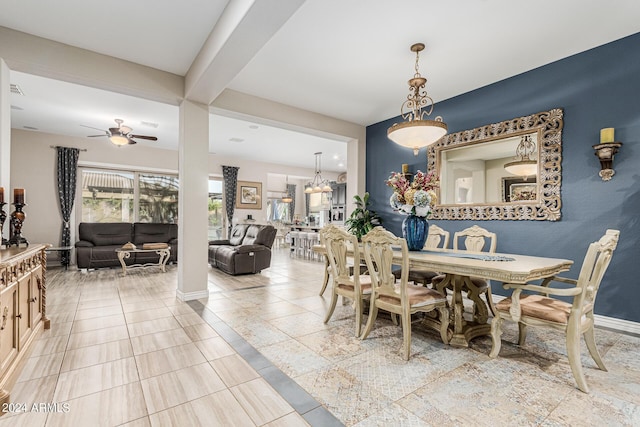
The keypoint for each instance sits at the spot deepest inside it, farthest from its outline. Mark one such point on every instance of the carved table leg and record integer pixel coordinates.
(121, 256)
(480, 311)
(458, 338)
(462, 330)
(46, 322)
(164, 257)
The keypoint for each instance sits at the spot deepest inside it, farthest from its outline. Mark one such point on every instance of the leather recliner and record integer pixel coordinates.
(247, 251)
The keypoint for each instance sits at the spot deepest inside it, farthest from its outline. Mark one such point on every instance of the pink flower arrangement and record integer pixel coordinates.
(417, 197)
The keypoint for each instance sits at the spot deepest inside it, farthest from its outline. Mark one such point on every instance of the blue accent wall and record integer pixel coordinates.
(596, 89)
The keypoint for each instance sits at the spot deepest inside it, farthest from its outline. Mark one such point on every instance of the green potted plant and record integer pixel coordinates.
(362, 219)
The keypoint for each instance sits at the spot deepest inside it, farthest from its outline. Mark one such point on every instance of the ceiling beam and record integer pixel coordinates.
(243, 29)
(42, 57)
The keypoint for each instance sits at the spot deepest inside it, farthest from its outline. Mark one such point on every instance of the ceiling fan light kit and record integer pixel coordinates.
(119, 139)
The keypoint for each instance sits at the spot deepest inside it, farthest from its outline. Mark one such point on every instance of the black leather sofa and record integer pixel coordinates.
(247, 251)
(97, 244)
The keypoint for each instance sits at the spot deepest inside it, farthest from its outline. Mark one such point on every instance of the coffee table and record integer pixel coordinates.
(123, 254)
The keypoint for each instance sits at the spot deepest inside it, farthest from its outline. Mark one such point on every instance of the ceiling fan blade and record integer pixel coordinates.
(150, 138)
(95, 136)
(131, 141)
(125, 129)
(91, 127)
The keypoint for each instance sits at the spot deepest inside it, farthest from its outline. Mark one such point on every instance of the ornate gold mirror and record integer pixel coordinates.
(475, 184)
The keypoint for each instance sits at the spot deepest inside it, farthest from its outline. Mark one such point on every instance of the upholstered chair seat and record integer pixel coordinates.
(365, 284)
(418, 296)
(540, 307)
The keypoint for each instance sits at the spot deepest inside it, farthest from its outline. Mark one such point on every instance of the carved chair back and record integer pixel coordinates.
(378, 254)
(337, 242)
(595, 264)
(474, 239)
(437, 236)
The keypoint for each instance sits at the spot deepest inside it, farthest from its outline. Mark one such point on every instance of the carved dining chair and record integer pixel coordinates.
(475, 239)
(574, 318)
(436, 238)
(344, 282)
(399, 298)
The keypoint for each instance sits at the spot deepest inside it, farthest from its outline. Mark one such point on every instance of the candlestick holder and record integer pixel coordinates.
(3, 217)
(17, 220)
(605, 152)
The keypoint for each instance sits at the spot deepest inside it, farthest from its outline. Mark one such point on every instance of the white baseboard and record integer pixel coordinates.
(190, 296)
(619, 325)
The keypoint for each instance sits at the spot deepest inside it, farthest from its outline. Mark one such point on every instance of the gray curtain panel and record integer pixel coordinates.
(291, 188)
(230, 177)
(307, 203)
(67, 178)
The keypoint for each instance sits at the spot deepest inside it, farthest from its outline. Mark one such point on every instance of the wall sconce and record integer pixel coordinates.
(605, 151)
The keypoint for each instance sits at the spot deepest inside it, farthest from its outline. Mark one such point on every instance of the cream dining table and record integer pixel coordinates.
(459, 266)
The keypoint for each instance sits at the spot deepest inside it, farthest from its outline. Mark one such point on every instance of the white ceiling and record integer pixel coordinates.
(344, 59)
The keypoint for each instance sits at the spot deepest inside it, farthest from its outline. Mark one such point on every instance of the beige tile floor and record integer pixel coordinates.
(124, 351)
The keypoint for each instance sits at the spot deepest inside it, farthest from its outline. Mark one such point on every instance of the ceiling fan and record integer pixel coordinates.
(121, 135)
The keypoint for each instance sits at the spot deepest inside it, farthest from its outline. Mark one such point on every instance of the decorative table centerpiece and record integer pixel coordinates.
(414, 198)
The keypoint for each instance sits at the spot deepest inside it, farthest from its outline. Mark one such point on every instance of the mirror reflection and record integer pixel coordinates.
(476, 173)
(509, 170)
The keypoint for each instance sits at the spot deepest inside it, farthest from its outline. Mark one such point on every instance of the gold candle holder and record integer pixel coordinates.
(3, 218)
(605, 152)
(17, 220)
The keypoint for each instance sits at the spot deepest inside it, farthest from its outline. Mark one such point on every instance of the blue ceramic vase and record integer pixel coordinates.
(415, 230)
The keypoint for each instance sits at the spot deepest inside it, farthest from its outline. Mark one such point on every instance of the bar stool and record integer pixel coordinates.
(313, 238)
(294, 236)
(303, 247)
(300, 244)
(279, 241)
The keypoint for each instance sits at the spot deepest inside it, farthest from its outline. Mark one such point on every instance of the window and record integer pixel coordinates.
(158, 198)
(277, 210)
(107, 196)
(216, 211)
(127, 196)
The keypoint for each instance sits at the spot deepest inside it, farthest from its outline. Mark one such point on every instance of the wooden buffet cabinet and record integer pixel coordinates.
(22, 308)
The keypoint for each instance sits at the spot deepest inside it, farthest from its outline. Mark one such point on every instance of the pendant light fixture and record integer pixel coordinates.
(417, 131)
(318, 185)
(287, 195)
(524, 165)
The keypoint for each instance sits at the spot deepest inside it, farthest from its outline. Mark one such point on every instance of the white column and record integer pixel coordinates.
(356, 173)
(193, 201)
(5, 139)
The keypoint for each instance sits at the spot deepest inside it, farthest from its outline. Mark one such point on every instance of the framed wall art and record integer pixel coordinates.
(249, 195)
(519, 189)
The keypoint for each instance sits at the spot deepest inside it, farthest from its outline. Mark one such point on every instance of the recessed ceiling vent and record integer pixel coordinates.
(234, 139)
(150, 124)
(16, 89)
